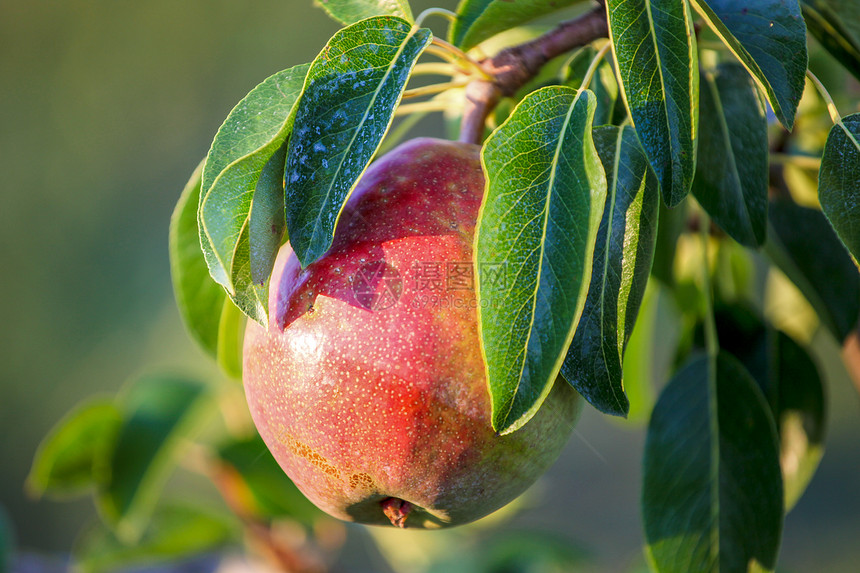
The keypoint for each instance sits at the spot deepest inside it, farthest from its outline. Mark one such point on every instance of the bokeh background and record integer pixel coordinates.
(105, 109)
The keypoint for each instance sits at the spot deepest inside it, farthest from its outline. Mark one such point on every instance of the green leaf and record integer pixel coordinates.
(158, 412)
(478, 20)
(252, 475)
(351, 11)
(836, 24)
(712, 492)
(791, 384)
(839, 182)
(542, 207)
(769, 39)
(350, 95)
(803, 245)
(198, 297)
(622, 262)
(176, 532)
(67, 458)
(230, 338)
(732, 172)
(672, 223)
(249, 137)
(655, 50)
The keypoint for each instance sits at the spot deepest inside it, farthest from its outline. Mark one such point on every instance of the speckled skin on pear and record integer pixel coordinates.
(361, 404)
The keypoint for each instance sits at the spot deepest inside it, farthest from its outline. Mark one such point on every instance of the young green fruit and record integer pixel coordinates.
(369, 386)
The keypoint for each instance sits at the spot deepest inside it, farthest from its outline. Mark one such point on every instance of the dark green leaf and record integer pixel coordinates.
(671, 224)
(350, 95)
(622, 262)
(655, 49)
(791, 384)
(248, 467)
(803, 245)
(836, 24)
(731, 173)
(158, 412)
(198, 297)
(839, 182)
(712, 493)
(769, 38)
(176, 532)
(249, 137)
(603, 83)
(230, 338)
(67, 458)
(351, 11)
(545, 195)
(478, 20)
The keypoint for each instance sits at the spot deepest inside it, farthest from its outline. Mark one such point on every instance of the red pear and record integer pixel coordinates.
(369, 386)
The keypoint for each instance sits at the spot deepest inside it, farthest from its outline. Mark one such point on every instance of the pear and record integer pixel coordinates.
(369, 385)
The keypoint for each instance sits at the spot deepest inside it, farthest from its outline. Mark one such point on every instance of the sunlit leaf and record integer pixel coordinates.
(158, 412)
(544, 200)
(349, 98)
(769, 38)
(252, 480)
(478, 20)
(732, 171)
(803, 245)
(712, 494)
(655, 49)
(839, 182)
(230, 340)
(351, 11)
(622, 262)
(66, 460)
(176, 532)
(198, 297)
(836, 24)
(249, 137)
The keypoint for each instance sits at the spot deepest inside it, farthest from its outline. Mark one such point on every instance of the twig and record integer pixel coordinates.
(513, 67)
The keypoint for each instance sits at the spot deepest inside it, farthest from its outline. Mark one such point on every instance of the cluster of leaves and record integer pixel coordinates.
(586, 207)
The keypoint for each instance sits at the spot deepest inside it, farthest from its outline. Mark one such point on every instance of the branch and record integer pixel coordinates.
(513, 67)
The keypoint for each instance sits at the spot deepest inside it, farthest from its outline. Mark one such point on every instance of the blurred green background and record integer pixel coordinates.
(105, 109)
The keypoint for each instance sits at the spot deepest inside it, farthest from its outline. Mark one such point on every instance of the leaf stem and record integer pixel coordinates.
(421, 107)
(586, 81)
(831, 108)
(447, 14)
(825, 95)
(459, 56)
(433, 89)
(434, 69)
